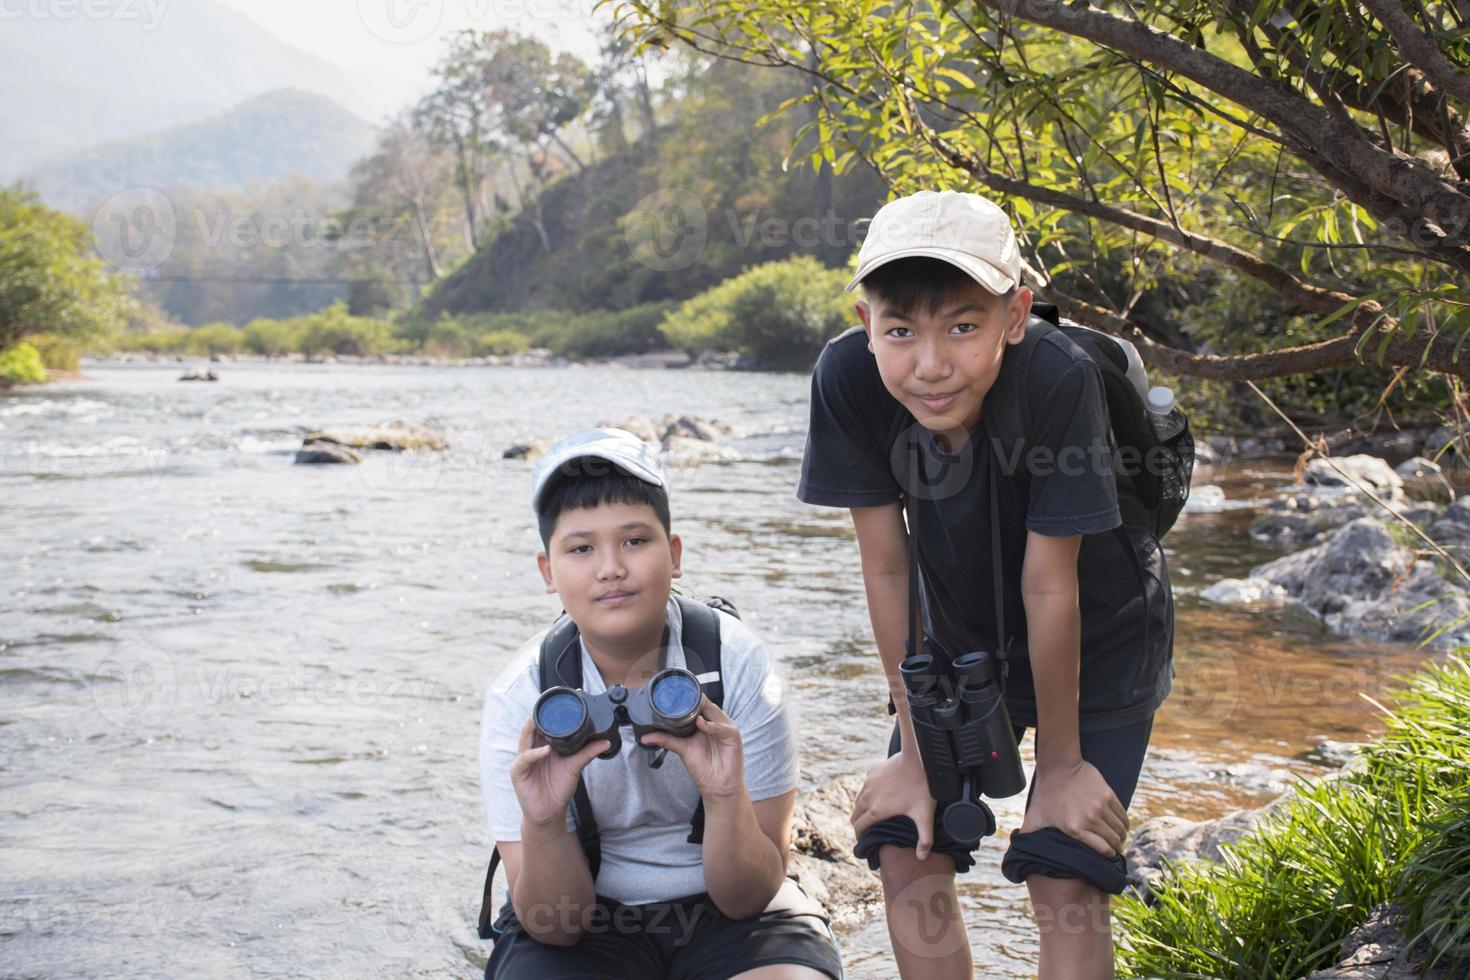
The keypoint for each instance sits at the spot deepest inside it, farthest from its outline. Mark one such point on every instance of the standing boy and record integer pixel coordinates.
(673, 871)
(898, 411)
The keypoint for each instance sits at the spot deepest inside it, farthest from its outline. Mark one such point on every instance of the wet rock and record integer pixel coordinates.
(1163, 841)
(662, 430)
(1369, 471)
(1246, 592)
(1301, 518)
(197, 375)
(326, 452)
(1374, 951)
(1205, 498)
(397, 436)
(526, 450)
(1425, 480)
(1205, 453)
(1331, 752)
(821, 851)
(1362, 582)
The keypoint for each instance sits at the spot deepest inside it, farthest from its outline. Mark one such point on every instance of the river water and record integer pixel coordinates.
(239, 699)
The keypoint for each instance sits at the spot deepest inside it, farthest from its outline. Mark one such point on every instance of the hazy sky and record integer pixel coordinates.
(399, 40)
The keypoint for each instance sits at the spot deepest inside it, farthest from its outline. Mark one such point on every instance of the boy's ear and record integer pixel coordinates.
(864, 313)
(676, 552)
(1017, 315)
(544, 564)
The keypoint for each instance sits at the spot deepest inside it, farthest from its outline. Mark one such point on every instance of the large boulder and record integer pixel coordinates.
(821, 851)
(1165, 841)
(672, 427)
(1362, 582)
(1362, 469)
(396, 436)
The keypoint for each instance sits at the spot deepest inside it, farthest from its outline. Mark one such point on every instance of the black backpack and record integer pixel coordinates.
(560, 663)
(1151, 494)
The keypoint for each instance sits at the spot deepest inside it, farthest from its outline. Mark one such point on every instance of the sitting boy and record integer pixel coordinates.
(633, 892)
(900, 412)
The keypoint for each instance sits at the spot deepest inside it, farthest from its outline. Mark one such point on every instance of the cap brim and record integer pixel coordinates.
(987, 275)
(547, 470)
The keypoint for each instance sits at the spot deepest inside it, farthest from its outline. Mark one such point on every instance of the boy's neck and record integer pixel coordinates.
(628, 660)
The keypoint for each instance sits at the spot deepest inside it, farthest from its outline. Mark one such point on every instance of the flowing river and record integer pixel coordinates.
(239, 699)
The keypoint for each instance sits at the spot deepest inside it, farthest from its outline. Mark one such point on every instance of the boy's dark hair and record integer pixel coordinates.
(904, 284)
(584, 487)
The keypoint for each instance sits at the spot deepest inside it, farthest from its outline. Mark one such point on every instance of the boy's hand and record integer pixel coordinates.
(714, 754)
(544, 781)
(1076, 800)
(896, 787)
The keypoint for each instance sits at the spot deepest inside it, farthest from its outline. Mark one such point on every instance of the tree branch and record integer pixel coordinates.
(1399, 177)
(1420, 50)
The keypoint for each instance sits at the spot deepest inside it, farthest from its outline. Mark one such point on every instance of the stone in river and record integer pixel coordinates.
(395, 436)
(326, 452)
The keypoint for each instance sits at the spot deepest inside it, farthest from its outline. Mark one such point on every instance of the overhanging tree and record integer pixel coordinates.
(1319, 150)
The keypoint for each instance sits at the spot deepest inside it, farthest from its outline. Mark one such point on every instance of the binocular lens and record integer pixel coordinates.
(675, 695)
(560, 715)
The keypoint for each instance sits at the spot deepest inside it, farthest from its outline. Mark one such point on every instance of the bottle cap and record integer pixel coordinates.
(1160, 400)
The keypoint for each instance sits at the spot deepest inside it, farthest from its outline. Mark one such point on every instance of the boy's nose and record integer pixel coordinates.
(930, 363)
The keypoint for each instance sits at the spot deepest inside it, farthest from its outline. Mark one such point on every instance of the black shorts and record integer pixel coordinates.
(685, 939)
(1118, 755)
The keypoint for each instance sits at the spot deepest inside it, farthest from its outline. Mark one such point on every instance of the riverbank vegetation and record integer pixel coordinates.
(1395, 827)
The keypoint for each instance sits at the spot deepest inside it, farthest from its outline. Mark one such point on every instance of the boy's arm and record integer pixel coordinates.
(1069, 793)
(896, 786)
(550, 903)
(745, 850)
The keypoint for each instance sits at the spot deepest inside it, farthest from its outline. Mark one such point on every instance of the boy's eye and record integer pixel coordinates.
(965, 327)
(899, 332)
(635, 542)
(579, 549)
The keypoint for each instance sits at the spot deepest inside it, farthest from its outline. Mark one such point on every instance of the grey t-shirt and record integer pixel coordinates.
(643, 813)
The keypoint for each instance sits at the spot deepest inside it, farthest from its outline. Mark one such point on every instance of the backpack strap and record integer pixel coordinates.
(559, 663)
(700, 638)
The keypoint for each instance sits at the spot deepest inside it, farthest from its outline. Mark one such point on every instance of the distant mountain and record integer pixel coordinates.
(71, 81)
(270, 137)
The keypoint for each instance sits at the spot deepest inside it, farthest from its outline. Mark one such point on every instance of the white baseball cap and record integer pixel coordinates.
(965, 230)
(617, 446)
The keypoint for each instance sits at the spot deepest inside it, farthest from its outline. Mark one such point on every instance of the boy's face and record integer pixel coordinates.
(940, 366)
(612, 566)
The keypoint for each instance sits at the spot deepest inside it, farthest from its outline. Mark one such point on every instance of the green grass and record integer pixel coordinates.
(21, 364)
(1398, 828)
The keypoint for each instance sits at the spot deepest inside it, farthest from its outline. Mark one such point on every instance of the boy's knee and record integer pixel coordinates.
(900, 868)
(1068, 904)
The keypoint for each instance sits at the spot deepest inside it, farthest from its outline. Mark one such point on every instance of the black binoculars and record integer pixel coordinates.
(964, 735)
(568, 718)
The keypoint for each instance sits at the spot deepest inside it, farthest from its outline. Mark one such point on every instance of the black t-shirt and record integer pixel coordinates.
(1058, 480)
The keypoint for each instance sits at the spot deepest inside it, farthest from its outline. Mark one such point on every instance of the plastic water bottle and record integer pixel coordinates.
(1167, 416)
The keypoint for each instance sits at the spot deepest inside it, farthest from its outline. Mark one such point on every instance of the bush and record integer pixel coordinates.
(779, 314)
(157, 342)
(214, 340)
(335, 331)
(498, 343)
(58, 353)
(21, 364)
(271, 338)
(1287, 893)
